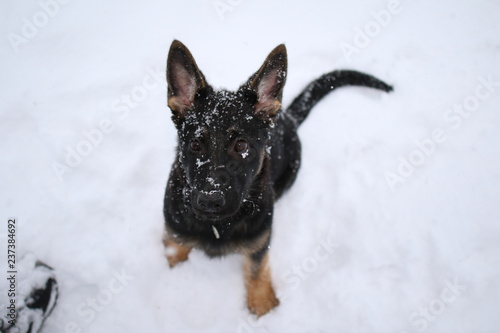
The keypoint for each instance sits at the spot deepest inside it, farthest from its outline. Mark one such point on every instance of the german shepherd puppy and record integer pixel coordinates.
(237, 153)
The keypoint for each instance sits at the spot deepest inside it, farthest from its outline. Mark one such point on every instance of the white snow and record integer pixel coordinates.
(216, 232)
(200, 163)
(212, 182)
(88, 143)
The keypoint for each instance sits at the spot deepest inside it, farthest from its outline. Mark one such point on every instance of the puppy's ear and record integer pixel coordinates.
(268, 83)
(184, 79)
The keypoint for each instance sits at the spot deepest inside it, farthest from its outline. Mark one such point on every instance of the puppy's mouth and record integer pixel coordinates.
(208, 215)
(212, 216)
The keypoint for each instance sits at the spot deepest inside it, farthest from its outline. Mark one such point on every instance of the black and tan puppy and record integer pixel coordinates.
(237, 153)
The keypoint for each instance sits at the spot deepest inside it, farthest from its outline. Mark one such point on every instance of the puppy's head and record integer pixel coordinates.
(223, 135)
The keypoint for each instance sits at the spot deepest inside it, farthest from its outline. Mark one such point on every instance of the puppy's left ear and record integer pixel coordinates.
(268, 83)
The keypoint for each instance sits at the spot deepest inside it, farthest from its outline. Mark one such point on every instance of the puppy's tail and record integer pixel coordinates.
(316, 90)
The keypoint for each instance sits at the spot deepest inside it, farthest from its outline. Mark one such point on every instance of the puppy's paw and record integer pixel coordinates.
(175, 253)
(261, 299)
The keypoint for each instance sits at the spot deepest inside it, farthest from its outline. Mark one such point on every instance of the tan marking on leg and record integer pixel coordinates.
(261, 297)
(175, 252)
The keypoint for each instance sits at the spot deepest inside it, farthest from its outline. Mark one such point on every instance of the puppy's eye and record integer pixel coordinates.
(241, 146)
(195, 145)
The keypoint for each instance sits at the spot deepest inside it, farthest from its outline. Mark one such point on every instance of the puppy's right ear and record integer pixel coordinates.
(268, 83)
(184, 79)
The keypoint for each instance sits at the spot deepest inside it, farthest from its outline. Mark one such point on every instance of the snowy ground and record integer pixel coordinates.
(392, 226)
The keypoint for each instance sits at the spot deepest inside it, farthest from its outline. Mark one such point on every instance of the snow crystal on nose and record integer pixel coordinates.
(212, 182)
(211, 192)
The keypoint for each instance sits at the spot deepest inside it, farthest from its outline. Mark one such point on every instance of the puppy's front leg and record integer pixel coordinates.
(261, 297)
(175, 252)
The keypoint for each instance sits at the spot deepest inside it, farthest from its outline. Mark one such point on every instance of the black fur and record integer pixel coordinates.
(237, 152)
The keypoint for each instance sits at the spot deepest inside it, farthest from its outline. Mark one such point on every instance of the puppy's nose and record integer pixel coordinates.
(211, 201)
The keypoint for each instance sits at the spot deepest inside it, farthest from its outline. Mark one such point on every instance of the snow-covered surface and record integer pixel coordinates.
(350, 252)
